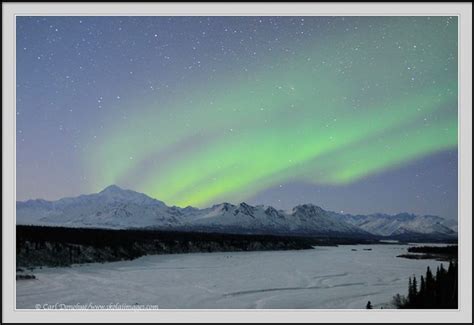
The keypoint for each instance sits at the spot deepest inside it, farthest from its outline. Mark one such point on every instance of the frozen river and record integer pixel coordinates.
(325, 277)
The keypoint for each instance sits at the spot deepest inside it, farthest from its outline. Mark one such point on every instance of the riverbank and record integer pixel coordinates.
(59, 246)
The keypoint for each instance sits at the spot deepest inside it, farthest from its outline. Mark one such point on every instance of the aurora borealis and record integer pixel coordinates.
(350, 113)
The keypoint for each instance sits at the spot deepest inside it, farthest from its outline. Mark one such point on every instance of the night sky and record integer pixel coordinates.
(354, 114)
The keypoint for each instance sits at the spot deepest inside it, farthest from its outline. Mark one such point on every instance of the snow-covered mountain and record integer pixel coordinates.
(111, 208)
(303, 219)
(402, 224)
(121, 209)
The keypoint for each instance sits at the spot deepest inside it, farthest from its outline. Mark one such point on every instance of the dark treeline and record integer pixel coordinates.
(447, 250)
(424, 238)
(440, 253)
(60, 246)
(439, 291)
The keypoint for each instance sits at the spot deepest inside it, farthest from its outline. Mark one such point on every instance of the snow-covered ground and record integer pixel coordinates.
(326, 277)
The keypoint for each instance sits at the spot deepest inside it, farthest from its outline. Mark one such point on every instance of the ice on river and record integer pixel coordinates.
(326, 277)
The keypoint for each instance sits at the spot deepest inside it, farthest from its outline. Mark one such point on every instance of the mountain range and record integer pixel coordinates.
(118, 208)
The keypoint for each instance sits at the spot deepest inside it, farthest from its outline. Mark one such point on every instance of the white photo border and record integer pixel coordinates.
(461, 10)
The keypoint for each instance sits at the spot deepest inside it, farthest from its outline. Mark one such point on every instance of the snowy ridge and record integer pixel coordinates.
(118, 208)
(402, 223)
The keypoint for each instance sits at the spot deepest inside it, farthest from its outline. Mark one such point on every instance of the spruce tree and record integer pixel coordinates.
(369, 305)
(415, 292)
(422, 285)
(422, 292)
(452, 284)
(430, 288)
(411, 294)
(415, 286)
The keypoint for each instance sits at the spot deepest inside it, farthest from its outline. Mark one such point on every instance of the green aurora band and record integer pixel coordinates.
(332, 112)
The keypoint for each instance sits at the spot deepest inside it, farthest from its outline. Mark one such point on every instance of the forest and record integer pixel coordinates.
(61, 246)
(432, 291)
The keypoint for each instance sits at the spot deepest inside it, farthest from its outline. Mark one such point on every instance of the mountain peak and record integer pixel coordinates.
(308, 208)
(245, 205)
(226, 206)
(116, 193)
(112, 189)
